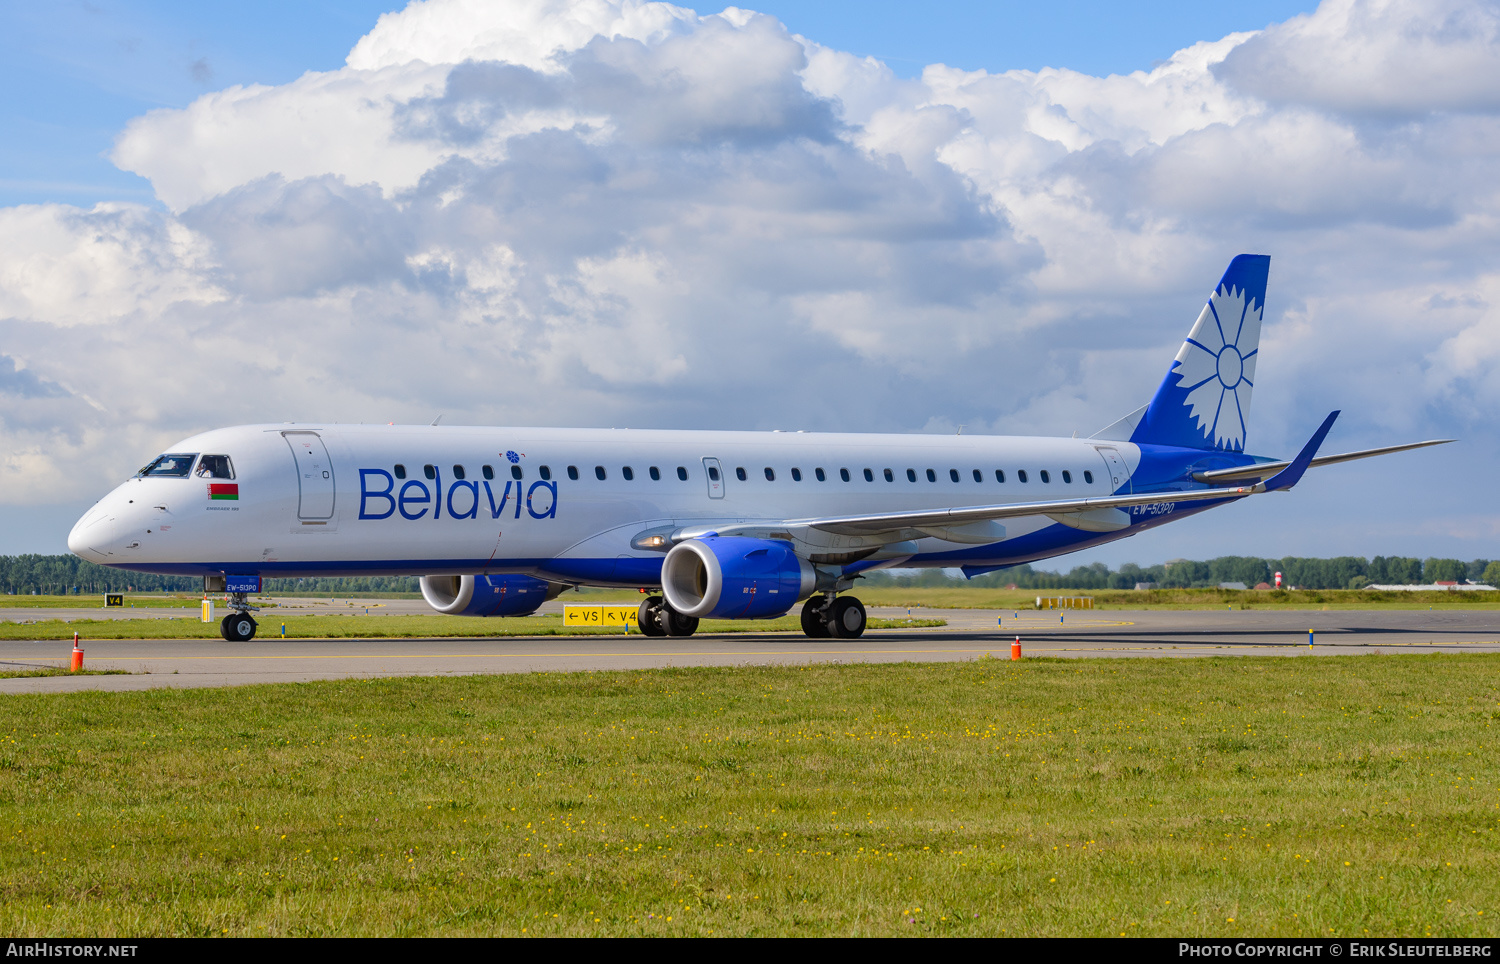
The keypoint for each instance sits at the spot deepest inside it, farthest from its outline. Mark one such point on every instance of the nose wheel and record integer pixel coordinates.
(238, 627)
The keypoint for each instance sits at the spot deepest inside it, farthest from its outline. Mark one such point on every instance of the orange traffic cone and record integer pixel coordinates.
(77, 654)
(1015, 649)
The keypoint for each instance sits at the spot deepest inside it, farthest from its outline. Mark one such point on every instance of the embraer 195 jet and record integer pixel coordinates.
(737, 525)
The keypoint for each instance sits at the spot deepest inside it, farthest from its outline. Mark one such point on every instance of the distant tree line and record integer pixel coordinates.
(62, 575)
(66, 575)
(1340, 572)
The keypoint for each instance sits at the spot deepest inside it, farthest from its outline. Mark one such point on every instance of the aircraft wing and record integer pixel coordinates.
(977, 524)
(864, 524)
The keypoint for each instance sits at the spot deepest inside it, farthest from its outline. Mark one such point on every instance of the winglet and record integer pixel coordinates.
(1292, 474)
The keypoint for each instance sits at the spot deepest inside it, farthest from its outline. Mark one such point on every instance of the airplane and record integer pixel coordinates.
(710, 524)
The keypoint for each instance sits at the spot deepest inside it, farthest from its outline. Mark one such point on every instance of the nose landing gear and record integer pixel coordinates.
(239, 626)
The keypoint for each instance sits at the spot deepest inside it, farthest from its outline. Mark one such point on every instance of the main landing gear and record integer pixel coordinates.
(826, 616)
(239, 626)
(656, 618)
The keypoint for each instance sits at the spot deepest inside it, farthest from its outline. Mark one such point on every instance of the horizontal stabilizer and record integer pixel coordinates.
(1262, 470)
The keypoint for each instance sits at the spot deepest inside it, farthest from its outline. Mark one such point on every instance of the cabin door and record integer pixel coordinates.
(1119, 475)
(314, 477)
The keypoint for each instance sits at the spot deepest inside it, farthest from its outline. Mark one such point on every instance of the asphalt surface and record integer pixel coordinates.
(970, 634)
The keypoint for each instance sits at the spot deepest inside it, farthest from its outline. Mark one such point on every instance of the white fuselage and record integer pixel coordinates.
(326, 500)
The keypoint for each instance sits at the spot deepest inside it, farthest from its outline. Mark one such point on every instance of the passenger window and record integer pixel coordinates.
(401, 471)
(682, 473)
(515, 471)
(458, 471)
(1067, 476)
(889, 475)
(175, 465)
(999, 475)
(869, 475)
(599, 472)
(545, 473)
(1021, 474)
(820, 475)
(770, 474)
(429, 471)
(573, 472)
(911, 475)
(953, 474)
(655, 474)
(796, 475)
(739, 473)
(1045, 476)
(488, 471)
(1088, 476)
(977, 476)
(844, 474)
(713, 473)
(931, 476)
(215, 467)
(629, 473)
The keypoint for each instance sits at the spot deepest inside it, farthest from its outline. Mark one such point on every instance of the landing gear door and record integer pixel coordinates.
(315, 490)
(1119, 475)
(715, 475)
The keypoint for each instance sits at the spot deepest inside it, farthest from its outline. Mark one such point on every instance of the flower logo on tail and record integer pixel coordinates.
(1216, 366)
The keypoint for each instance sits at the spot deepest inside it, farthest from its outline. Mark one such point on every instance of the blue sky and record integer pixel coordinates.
(471, 218)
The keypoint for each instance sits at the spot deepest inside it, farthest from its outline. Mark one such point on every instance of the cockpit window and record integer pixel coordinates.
(177, 464)
(215, 467)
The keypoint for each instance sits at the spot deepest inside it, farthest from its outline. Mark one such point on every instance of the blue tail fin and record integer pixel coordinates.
(1204, 402)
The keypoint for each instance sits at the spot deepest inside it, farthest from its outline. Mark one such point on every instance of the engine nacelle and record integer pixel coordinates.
(505, 595)
(730, 577)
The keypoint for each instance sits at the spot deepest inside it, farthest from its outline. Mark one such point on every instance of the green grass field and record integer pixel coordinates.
(1243, 796)
(968, 597)
(138, 601)
(369, 627)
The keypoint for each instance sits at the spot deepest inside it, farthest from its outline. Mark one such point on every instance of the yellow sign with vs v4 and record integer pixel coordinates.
(622, 617)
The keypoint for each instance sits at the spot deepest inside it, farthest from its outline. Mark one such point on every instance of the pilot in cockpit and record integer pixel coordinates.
(215, 467)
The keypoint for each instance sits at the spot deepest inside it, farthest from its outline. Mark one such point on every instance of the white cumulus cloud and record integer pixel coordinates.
(624, 213)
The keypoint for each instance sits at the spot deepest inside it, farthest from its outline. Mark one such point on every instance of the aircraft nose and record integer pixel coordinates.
(91, 534)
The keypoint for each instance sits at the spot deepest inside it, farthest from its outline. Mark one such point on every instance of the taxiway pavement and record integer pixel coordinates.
(970, 634)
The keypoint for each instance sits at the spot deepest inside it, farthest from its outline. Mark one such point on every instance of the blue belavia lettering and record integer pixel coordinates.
(379, 498)
(711, 524)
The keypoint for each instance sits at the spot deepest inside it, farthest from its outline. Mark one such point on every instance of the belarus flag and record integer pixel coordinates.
(229, 491)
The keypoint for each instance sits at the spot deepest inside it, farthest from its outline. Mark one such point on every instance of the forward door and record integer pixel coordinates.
(315, 490)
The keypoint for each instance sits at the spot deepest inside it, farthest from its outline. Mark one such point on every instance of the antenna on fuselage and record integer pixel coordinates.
(438, 419)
